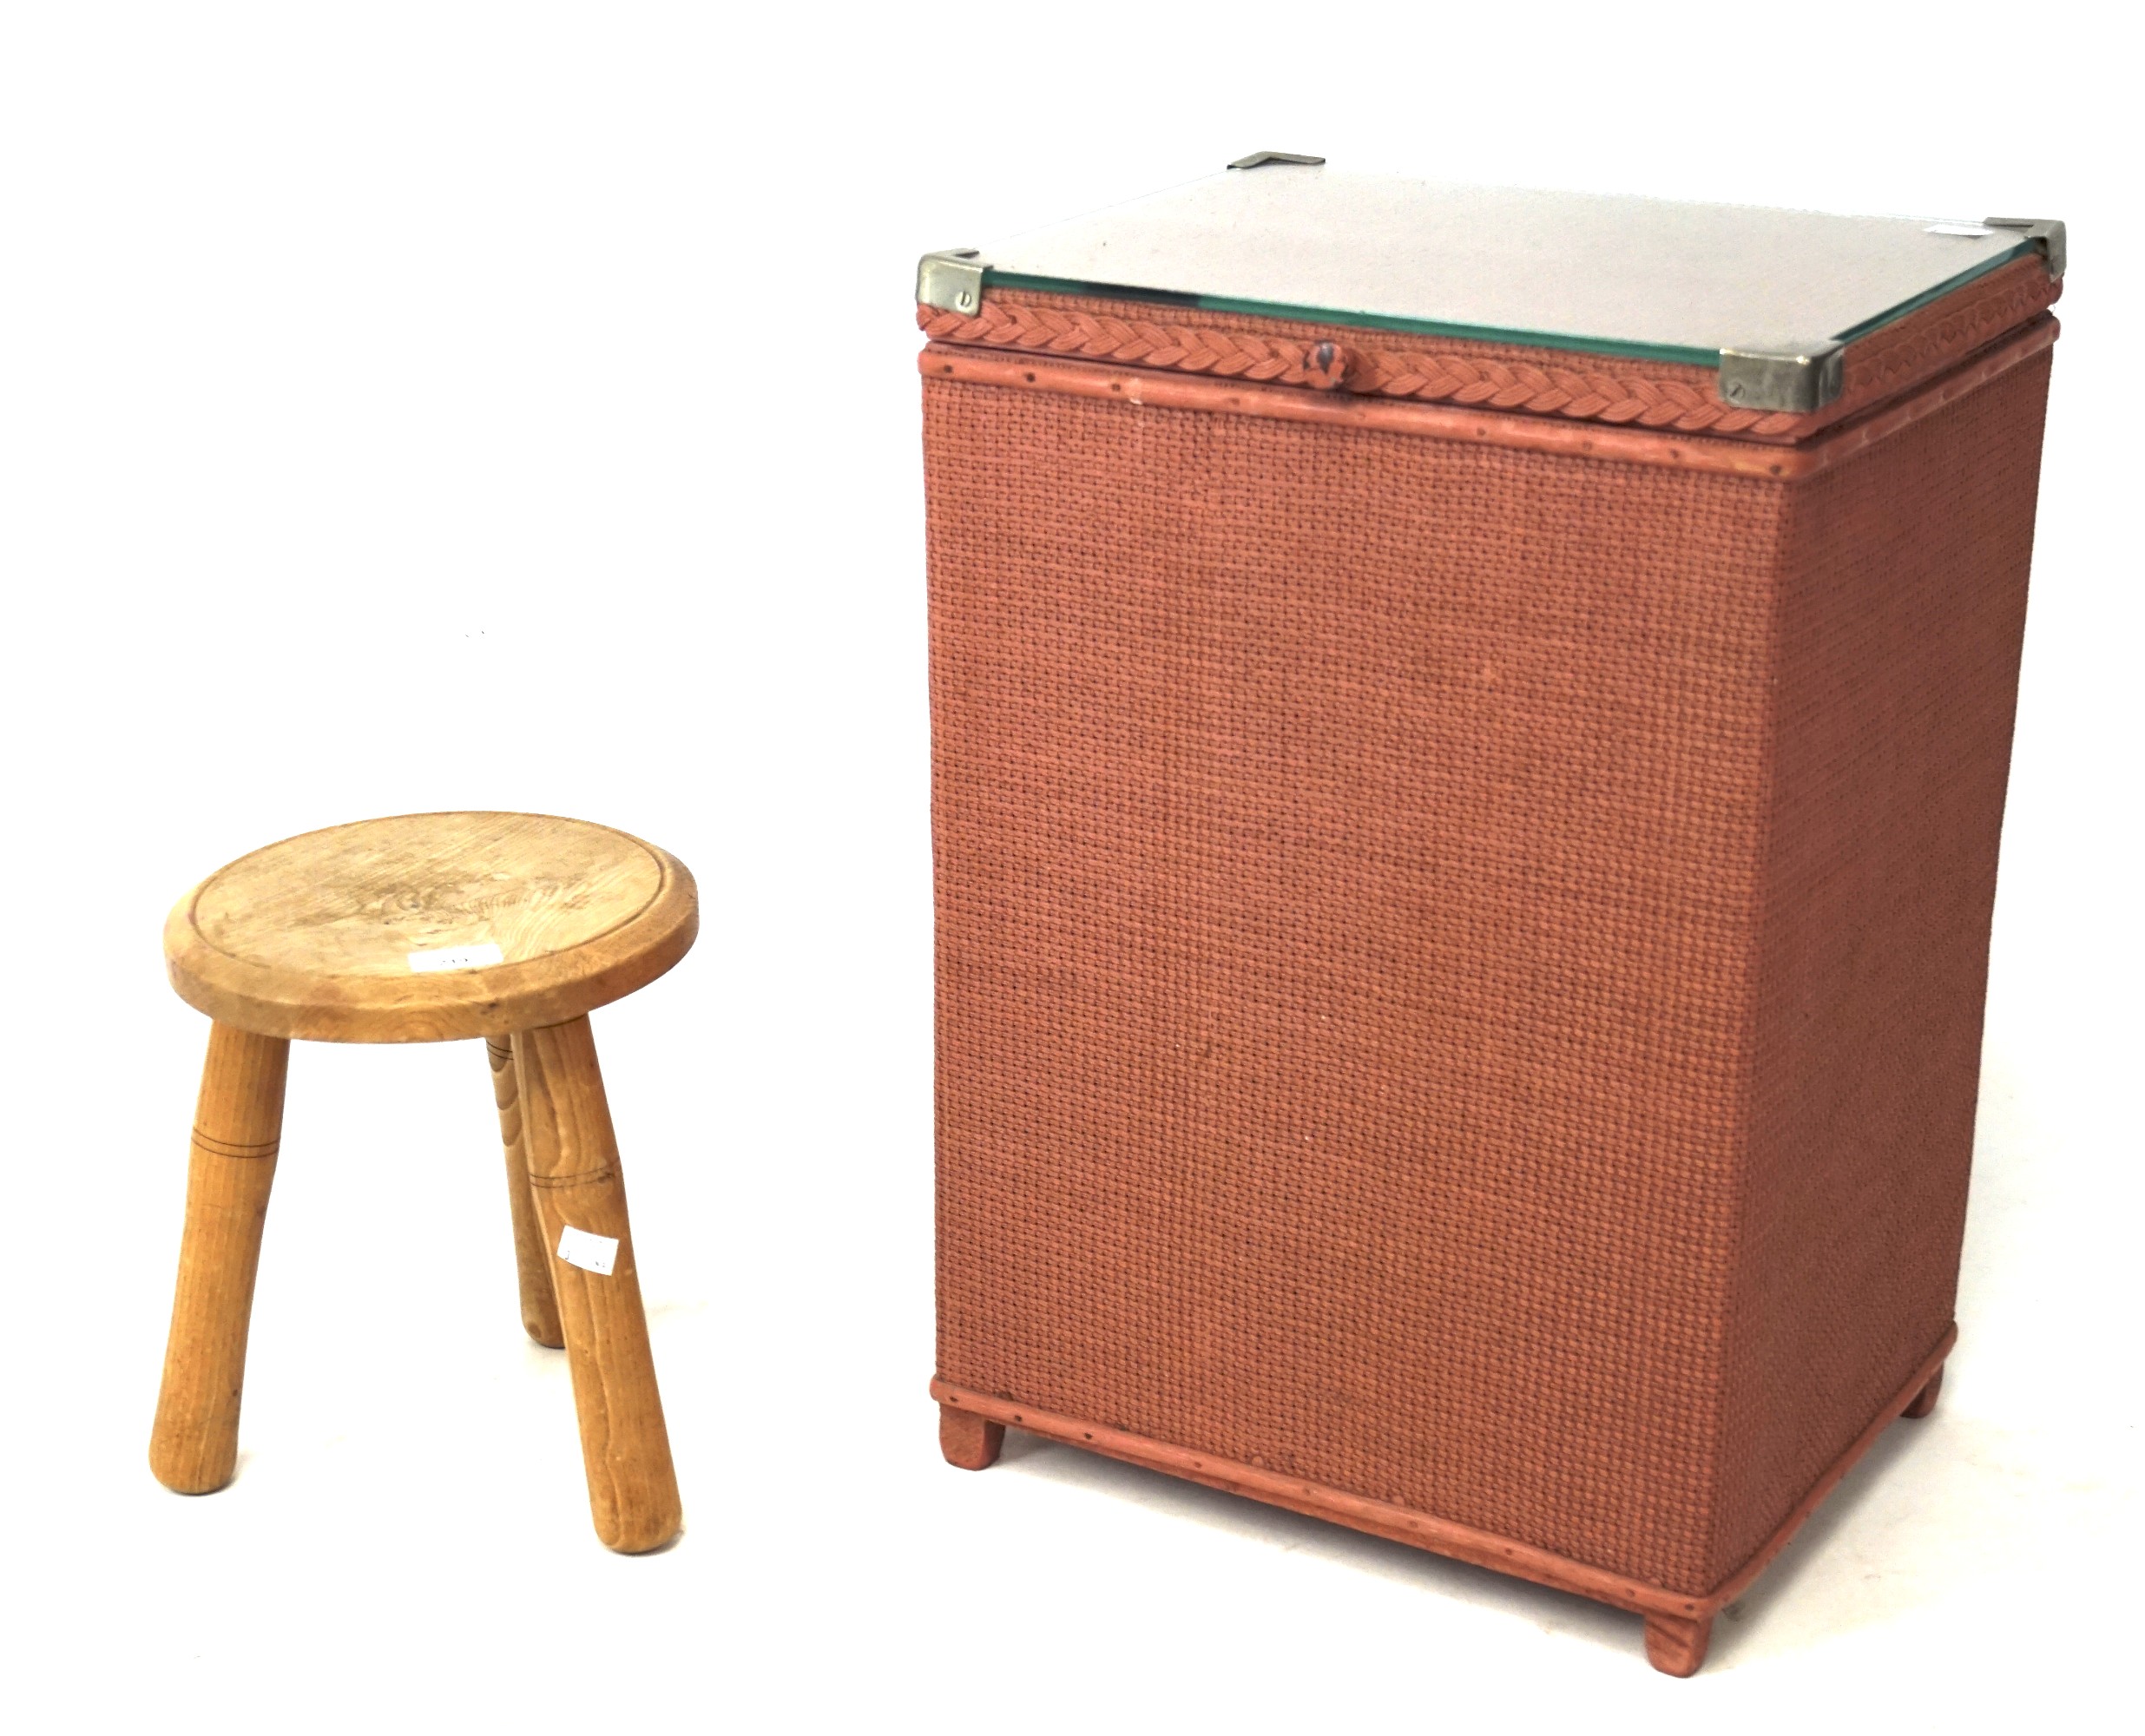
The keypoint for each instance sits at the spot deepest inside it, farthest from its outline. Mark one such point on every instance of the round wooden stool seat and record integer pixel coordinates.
(430, 926)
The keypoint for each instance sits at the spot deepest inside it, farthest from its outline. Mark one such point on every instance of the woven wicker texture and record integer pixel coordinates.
(1900, 609)
(1459, 967)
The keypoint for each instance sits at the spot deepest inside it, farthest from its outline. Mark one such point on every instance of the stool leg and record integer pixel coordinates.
(573, 1169)
(532, 1261)
(1926, 1401)
(238, 1124)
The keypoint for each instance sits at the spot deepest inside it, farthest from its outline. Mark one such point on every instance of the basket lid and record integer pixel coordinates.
(1770, 297)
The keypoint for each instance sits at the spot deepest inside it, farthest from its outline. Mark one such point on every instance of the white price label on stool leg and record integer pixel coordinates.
(588, 1250)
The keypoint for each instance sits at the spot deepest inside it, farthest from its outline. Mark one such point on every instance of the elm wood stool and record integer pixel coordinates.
(423, 928)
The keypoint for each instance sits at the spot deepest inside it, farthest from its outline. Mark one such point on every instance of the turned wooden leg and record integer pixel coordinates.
(1925, 1400)
(581, 1202)
(531, 1259)
(238, 1124)
(967, 1440)
(1675, 1645)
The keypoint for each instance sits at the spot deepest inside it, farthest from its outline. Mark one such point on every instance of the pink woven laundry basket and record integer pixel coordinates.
(1466, 786)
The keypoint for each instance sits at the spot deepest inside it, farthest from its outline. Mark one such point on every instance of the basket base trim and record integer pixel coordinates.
(1422, 1530)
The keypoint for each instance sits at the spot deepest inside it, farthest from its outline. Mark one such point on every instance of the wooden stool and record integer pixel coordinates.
(509, 927)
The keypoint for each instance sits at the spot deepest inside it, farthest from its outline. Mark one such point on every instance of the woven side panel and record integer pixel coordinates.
(1348, 859)
(1902, 607)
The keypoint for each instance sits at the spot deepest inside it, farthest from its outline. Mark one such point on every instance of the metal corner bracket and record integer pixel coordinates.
(952, 279)
(1799, 380)
(2045, 232)
(1257, 158)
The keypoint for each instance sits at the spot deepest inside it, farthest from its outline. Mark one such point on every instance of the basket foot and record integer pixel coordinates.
(1925, 1400)
(967, 1440)
(1675, 1645)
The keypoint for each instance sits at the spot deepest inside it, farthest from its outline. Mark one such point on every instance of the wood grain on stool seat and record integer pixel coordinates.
(312, 937)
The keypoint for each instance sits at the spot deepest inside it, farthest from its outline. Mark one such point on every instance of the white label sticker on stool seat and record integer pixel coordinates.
(458, 957)
(588, 1250)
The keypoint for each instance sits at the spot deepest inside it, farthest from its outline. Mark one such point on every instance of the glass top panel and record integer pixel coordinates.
(1638, 277)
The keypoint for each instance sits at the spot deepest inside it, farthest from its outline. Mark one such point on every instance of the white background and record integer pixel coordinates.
(410, 407)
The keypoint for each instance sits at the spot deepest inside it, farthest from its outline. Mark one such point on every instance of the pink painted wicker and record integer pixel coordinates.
(1462, 924)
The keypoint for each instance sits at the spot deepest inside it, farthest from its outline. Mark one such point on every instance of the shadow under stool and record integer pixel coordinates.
(425, 928)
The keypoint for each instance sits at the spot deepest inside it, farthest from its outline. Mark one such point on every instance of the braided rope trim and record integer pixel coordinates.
(1320, 365)
(1584, 396)
(1328, 366)
(1898, 356)
(1682, 400)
